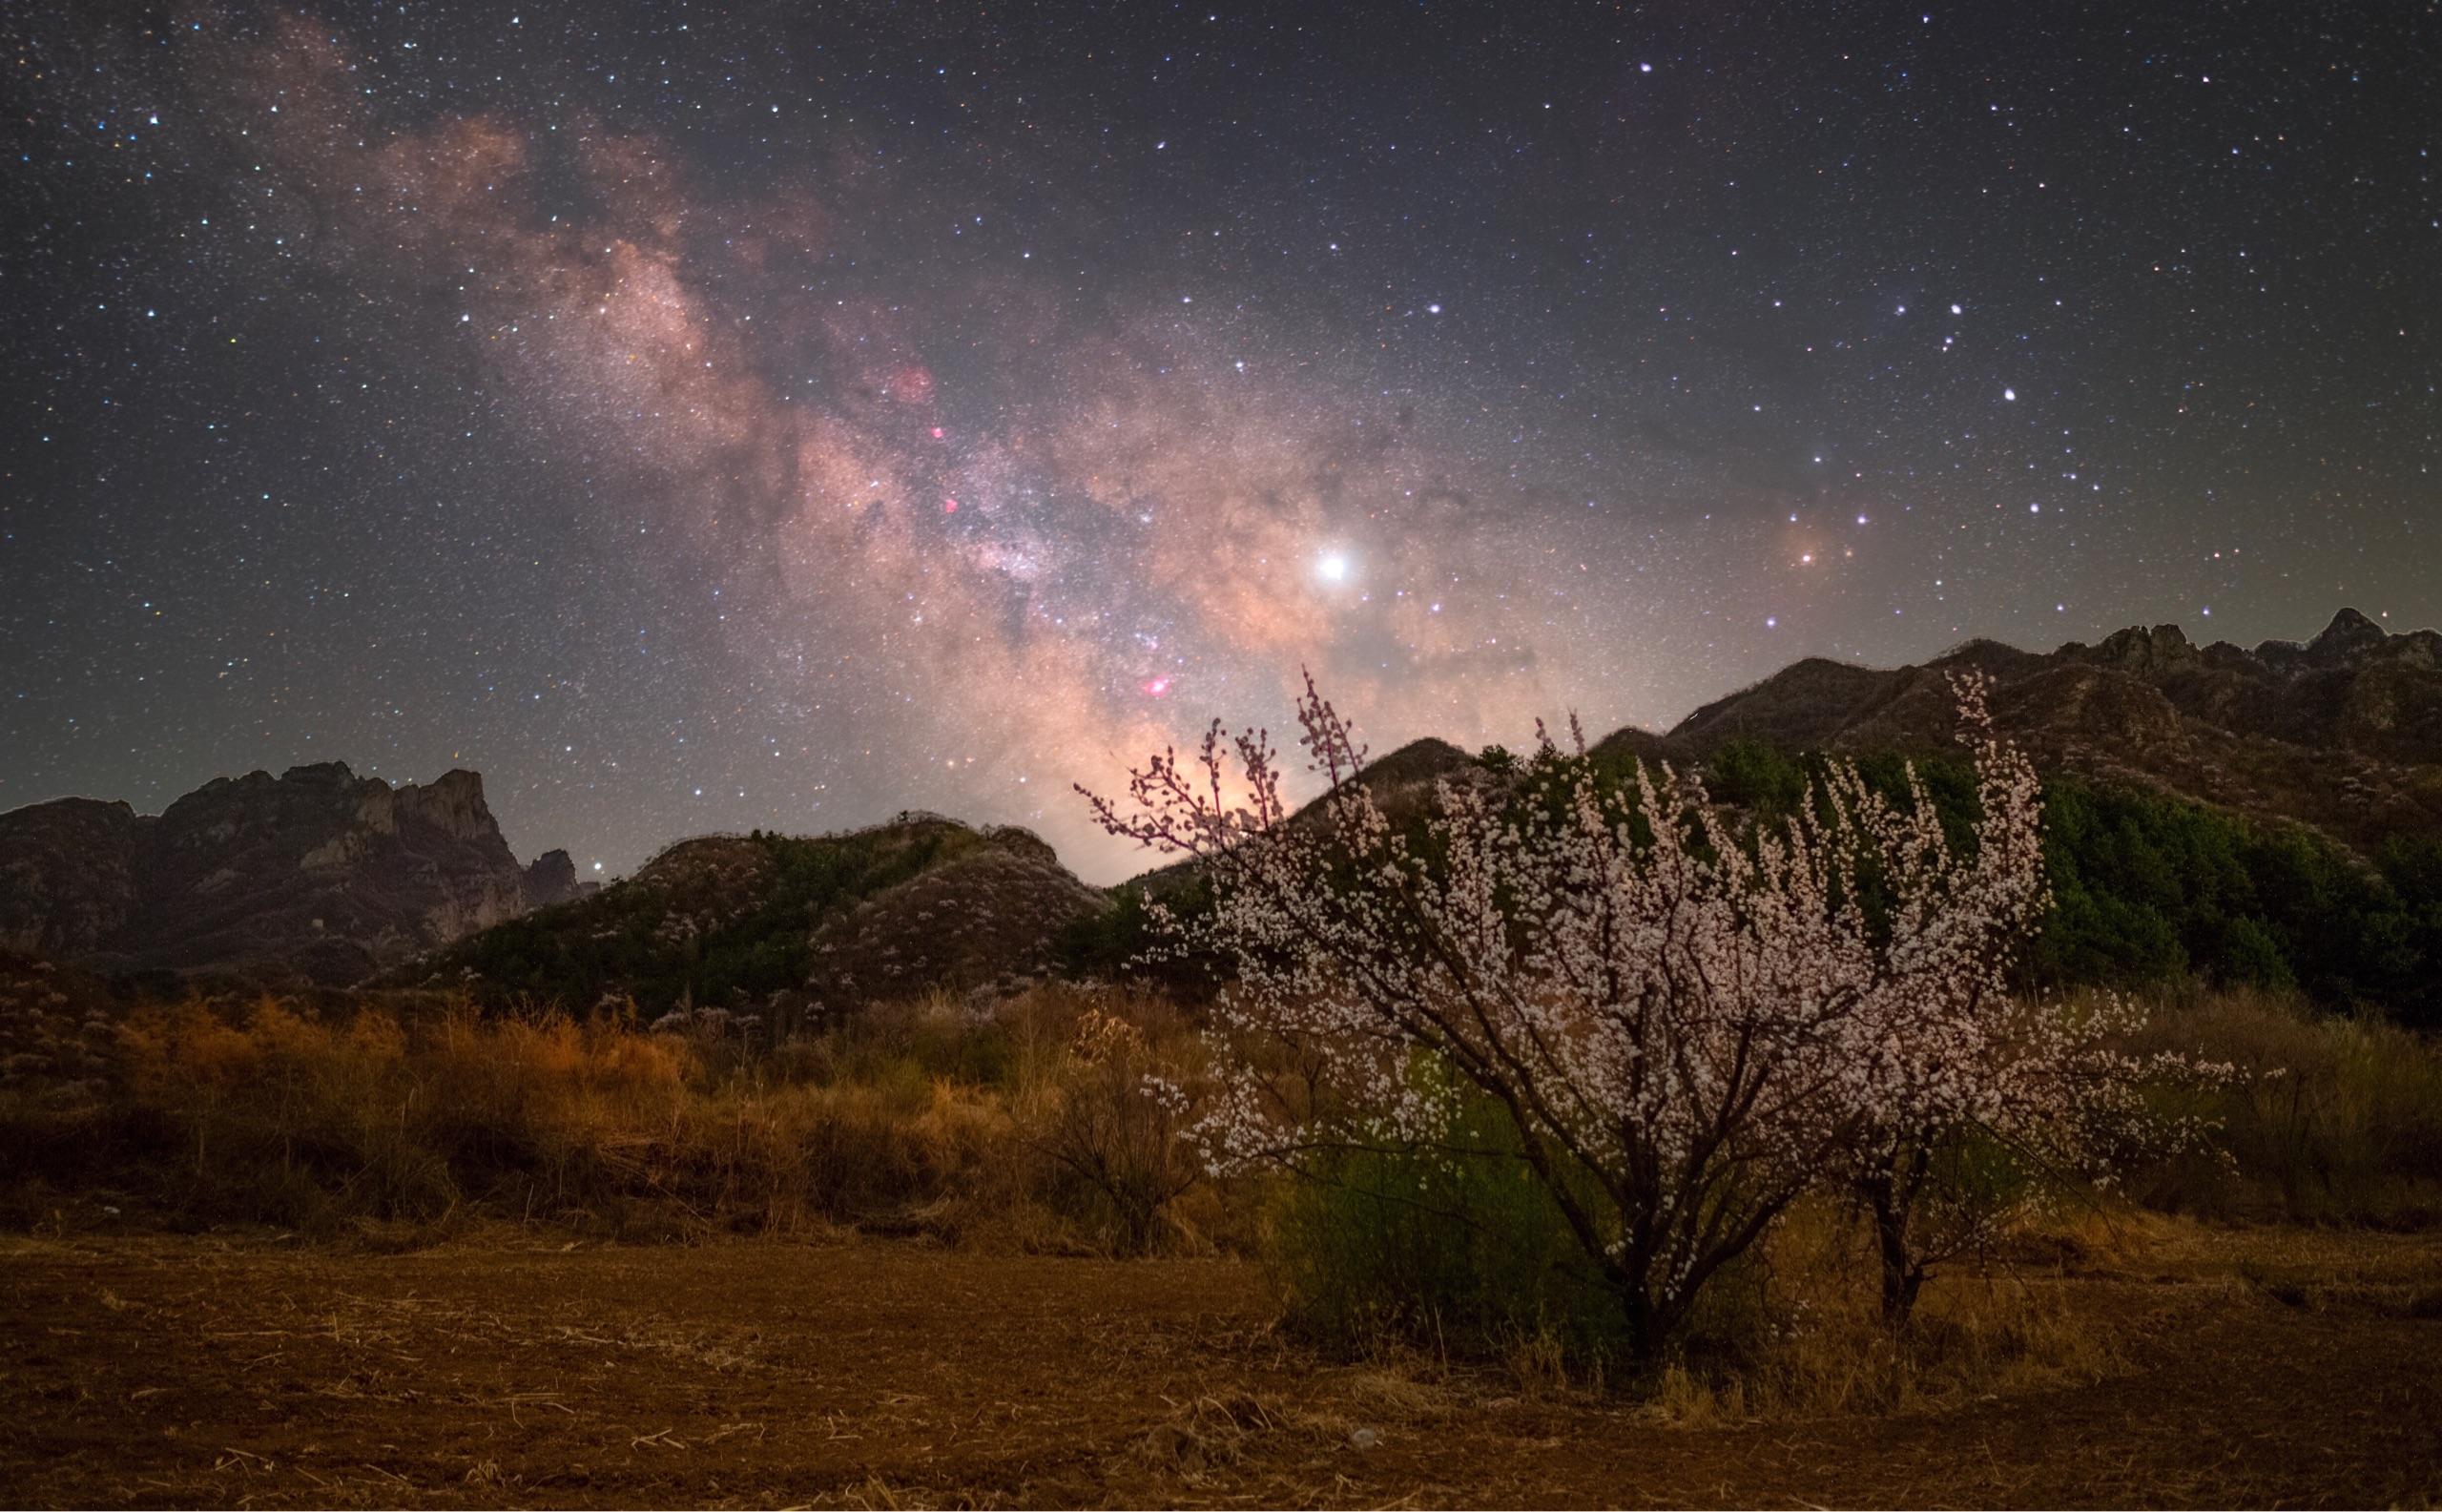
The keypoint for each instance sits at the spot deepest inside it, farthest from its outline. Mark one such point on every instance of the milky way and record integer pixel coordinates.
(734, 416)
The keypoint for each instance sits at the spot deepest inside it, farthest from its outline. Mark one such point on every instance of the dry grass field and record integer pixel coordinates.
(259, 1256)
(2258, 1366)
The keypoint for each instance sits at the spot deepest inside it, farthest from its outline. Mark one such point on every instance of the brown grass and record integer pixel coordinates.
(1019, 1127)
(1804, 1335)
(931, 1118)
(2331, 1119)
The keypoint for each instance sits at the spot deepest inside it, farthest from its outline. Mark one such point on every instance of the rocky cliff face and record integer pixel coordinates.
(316, 873)
(2343, 733)
(2354, 687)
(68, 876)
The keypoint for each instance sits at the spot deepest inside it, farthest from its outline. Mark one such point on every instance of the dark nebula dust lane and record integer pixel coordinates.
(710, 417)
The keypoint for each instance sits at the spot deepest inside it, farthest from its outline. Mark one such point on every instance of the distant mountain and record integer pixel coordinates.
(791, 927)
(2268, 818)
(315, 874)
(333, 878)
(2342, 732)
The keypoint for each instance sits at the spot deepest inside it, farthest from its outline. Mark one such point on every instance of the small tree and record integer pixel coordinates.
(1979, 1103)
(1948, 1066)
(1687, 1028)
(2036, 1097)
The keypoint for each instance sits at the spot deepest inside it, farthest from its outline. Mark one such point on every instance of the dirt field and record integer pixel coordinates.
(163, 1372)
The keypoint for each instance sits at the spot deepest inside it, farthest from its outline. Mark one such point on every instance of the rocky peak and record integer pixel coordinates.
(2348, 639)
(333, 775)
(1020, 840)
(552, 879)
(453, 803)
(2343, 732)
(2139, 649)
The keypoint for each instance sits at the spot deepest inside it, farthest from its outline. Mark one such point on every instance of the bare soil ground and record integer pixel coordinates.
(2256, 1368)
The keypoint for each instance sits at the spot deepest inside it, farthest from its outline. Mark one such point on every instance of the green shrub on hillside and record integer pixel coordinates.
(2151, 890)
(707, 935)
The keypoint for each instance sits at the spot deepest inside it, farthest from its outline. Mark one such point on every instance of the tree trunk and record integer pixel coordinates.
(1653, 1325)
(1902, 1278)
(1644, 1338)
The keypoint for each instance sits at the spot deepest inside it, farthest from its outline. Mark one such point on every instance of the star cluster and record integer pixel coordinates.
(712, 416)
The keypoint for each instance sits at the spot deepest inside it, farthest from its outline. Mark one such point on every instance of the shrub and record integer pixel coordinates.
(1112, 1126)
(1466, 1249)
(2150, 891)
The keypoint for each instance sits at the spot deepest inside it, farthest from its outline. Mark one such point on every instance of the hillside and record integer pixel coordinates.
(791, 927)
(315, 874)
(2342, 734)
(2269, 818)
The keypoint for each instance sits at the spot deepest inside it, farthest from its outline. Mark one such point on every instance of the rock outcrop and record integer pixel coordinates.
(552, 879)
(988, 916)
(315, 874)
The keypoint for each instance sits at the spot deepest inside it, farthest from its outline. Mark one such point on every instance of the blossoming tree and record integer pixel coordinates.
(1689, 1026)
(1979, 1104)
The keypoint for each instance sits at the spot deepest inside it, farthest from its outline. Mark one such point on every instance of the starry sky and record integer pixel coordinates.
(706, 416)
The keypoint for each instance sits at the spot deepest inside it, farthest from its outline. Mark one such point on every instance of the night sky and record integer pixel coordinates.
(780, 415)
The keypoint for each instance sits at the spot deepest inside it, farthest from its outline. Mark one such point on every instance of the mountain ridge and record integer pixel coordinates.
(2342, 732)
(338, 879)
(317, 872)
